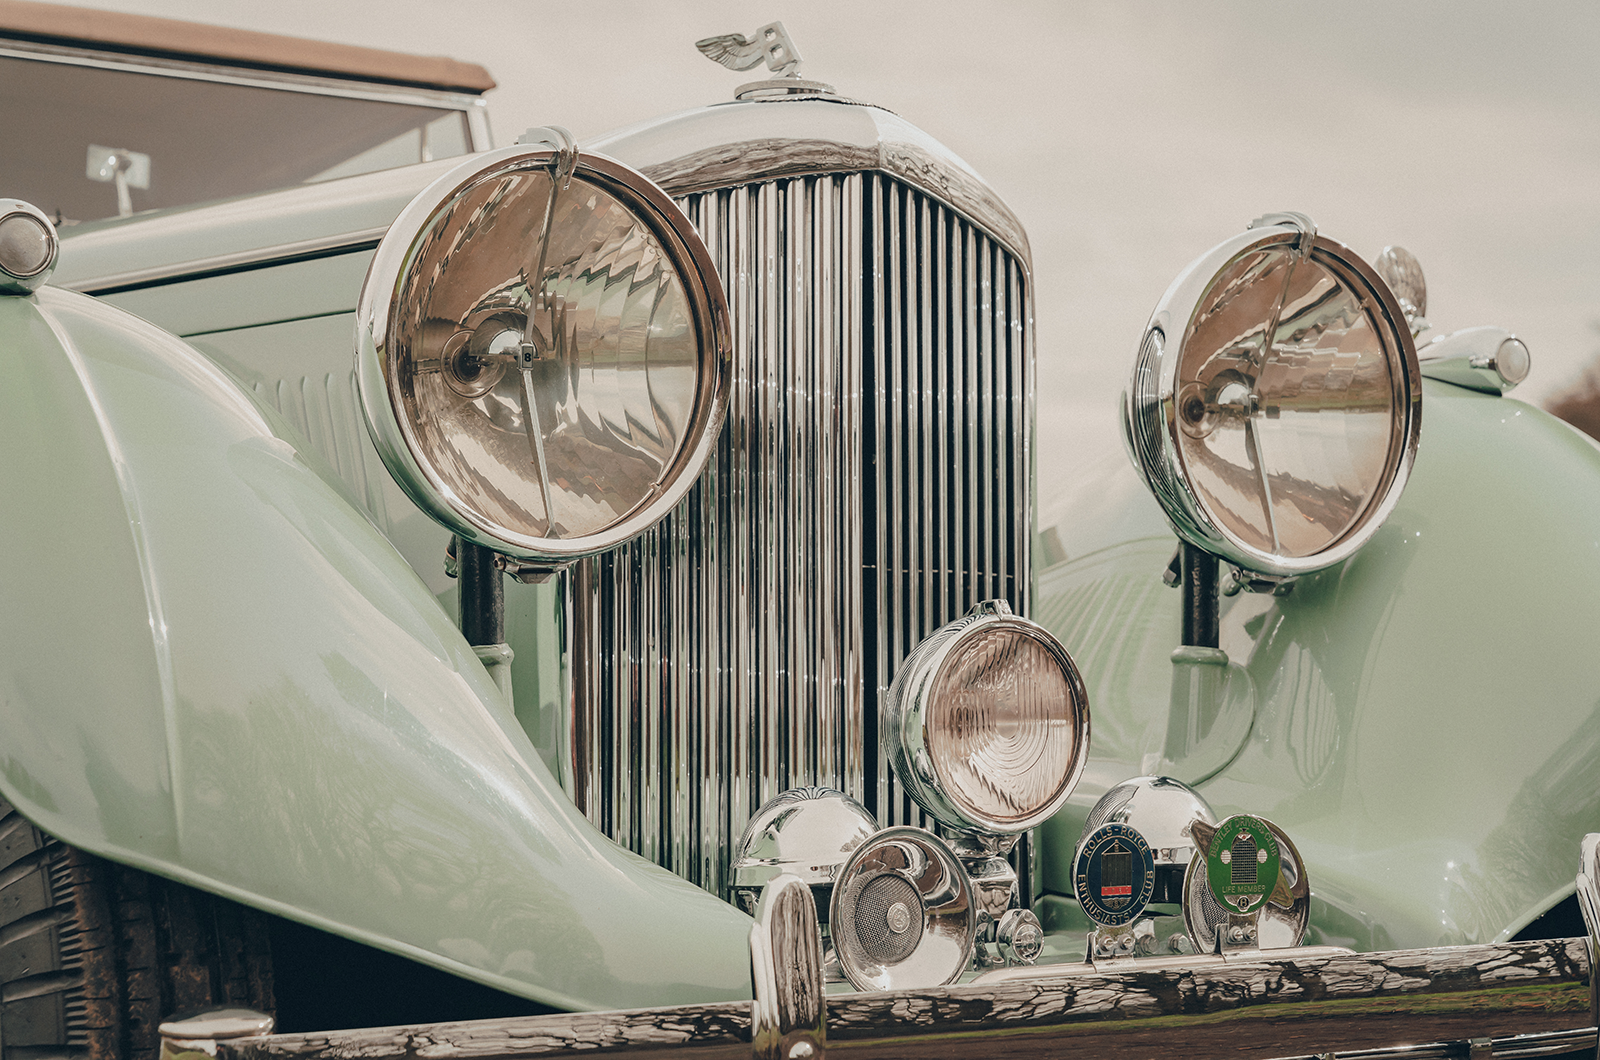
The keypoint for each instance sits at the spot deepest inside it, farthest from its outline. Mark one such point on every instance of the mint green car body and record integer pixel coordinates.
(219, 670)
(229, 655)
(1423, 719)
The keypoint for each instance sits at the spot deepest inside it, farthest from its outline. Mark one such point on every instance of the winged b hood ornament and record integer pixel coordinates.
(772, 44)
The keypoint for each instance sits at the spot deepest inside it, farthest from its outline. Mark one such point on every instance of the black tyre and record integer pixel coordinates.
(93, 955)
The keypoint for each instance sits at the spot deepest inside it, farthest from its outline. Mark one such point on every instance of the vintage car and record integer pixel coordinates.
(604, 590)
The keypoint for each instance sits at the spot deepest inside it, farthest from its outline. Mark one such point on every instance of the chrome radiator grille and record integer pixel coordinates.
(870, 484)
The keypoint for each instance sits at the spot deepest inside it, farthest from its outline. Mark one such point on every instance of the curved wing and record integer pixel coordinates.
(732, 50)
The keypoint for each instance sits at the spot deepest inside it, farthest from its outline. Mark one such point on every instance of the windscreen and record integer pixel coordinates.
(71, 131)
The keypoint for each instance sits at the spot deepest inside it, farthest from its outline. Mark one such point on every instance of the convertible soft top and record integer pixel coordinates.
(173, 39)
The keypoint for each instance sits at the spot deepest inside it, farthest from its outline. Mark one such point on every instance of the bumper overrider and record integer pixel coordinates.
(1506, 999)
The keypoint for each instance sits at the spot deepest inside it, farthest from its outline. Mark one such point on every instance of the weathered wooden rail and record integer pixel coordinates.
(1518, 999)
(1499, 995)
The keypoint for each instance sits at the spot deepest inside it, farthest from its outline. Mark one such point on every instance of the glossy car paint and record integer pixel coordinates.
(1422, 719)
(286, 331)
(216, 668)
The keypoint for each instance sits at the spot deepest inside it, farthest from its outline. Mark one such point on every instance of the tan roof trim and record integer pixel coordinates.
(171, 38)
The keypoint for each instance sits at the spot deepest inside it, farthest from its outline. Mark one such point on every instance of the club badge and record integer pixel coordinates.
(1242, 863)
(1114, 874)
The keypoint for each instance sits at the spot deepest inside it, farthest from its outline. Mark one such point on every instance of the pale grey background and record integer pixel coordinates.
(1128, 137)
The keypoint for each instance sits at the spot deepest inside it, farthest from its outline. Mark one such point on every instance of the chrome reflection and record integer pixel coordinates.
(902, 914)
(1490, 360)
(807, 833)
(552, 346)
(1284, 393)
(1279, 429)
(29, 247)
(988, 722)
(870, 485)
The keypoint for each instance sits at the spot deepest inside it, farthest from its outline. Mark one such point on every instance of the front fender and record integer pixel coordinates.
(1426, 720)
(214, 668)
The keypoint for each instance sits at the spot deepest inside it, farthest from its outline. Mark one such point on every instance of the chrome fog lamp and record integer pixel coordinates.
(1276, 400)
(542, 352)
(902, 915)
(805, 832)
(988, 722)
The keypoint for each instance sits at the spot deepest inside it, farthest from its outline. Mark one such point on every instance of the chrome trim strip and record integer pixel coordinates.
(1517, 1046)
(1345, 1002)
(769, 159)
(740, 143)
(261, 257)
(789, 1017)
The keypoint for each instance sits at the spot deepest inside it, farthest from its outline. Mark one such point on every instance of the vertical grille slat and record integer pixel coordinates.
(903, 402)
(855, 252)
(870, 484)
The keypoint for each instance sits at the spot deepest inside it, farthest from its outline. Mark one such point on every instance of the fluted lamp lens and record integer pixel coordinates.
(1002, 726)
(550, 381)
(1284, 403)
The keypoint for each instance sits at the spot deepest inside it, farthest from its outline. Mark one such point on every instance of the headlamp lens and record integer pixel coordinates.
(1002, 726)
(550, 382)
(1285, 402)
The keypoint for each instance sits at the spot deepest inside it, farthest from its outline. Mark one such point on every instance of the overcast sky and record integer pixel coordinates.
(1128, 137)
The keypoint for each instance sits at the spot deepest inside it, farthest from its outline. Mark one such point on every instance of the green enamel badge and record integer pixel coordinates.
(1242, 863)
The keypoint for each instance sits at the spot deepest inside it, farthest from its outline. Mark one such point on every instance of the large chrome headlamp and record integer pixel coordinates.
(542, 352)
(1276, 401)
(988, 722)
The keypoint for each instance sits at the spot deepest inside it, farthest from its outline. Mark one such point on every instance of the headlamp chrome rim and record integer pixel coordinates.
(905, 716)
(1151, 420)
(395, 438)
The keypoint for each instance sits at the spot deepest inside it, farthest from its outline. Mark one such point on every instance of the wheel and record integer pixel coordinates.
(94, 955)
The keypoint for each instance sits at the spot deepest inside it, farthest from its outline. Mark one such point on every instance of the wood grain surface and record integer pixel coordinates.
(1267, 1009)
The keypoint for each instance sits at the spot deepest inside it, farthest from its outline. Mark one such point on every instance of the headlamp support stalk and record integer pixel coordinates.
(1197, 573)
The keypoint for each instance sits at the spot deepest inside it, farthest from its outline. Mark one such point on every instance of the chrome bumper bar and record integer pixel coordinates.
(1516, 999)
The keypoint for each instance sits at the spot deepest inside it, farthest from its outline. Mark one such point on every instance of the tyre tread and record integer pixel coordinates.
(128, 949)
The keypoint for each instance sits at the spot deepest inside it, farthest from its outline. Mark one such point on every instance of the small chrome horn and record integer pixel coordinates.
(903, 915)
